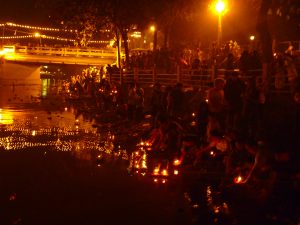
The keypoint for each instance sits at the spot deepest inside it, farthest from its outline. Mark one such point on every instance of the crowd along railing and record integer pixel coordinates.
(202, 78)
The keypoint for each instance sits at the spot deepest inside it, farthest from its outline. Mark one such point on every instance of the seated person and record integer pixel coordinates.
(218, 145)
(241, 160)
(188, 150)
(166, 136)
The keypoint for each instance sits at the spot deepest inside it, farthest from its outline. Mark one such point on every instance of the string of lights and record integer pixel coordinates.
(9, 24)
(56, 38)
(98, 42)
(37, 35)
(18, 31)
(35, 27)
(17, 37)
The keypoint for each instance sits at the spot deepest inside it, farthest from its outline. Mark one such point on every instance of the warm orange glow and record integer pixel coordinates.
(164, 173)
(252, 37)
(136, 34)
(8, 49)
(176, 172)
(6, 117)
(152, 28)
(156, 171)
(37, 34)
(220, 7)
(144, 164)
(176, 162)
(238, 179)
(111, 43)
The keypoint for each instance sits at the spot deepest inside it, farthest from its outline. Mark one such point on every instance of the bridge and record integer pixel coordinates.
(53, 55)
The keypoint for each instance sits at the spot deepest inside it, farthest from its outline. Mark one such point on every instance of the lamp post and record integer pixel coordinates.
(38, 35)
(2, 43)
(252, 42)
(154, 31)
(220, 9)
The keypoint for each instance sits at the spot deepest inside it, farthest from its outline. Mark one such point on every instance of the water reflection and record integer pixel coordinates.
(37, 117)
(6, 117)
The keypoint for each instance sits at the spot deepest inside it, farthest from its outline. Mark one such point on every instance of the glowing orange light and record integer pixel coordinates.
(238, 179)
(176, 162)
(152, 28)
(37, 34)
(164, 173)
(156, 171)
(6, 117)
(220, 6)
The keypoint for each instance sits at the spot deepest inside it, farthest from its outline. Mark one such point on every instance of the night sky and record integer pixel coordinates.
(238, 24)
(22, 11)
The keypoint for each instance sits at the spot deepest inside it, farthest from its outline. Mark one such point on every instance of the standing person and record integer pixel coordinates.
(229, 65)
(216, 106)
(156, 101)
(255, 64)
(244, 63)
(233, 92)
(166, 100)
(202, 119)
(292, 73)
(131, 101)
(250, 115)
(139, 114)
(297, 117)
(176, 101)
(280, 72)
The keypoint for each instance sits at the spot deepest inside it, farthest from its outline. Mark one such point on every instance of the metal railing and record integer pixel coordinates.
(196, 78)
(189, 78)
(72, 52)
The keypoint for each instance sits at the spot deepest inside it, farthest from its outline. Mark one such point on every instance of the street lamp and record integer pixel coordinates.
(220, 9)
(152, 28)
(38, 35)
(154, 31)
(252, 41)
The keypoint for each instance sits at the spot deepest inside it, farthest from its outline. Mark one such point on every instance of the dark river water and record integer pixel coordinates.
(36, 107)
(60, 164)
(48, 169)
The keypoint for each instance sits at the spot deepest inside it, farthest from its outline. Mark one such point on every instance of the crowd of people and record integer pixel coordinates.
(226, 121)
(233, 106)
